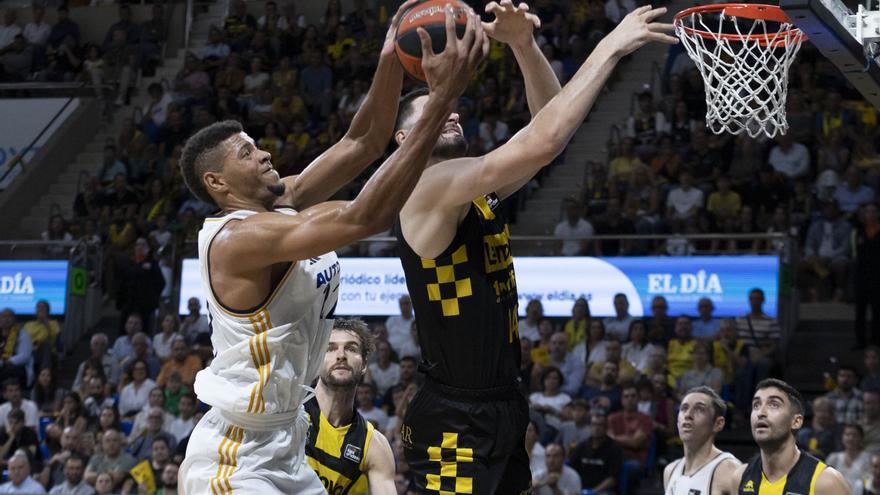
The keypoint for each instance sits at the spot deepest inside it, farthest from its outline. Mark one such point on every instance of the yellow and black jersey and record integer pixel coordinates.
(801, 480)
(465, 302)
(338, 455)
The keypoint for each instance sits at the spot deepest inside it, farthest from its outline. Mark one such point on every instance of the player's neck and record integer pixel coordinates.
(696, 456)
(778, 460)
(337, 404)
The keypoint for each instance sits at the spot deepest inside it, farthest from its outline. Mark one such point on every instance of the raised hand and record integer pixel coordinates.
(388, 45)
(449, 72)
(637, 29)
(513, 25)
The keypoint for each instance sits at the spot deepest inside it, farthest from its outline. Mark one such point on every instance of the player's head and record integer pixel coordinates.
(450, 144)
(221, 164)
(701, 415)
(345, 360)
(777, 413)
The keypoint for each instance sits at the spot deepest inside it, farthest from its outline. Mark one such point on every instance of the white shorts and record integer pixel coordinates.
(223, 458)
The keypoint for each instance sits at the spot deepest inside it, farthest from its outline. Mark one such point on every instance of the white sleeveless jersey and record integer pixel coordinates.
(700, 483)
(265, 360)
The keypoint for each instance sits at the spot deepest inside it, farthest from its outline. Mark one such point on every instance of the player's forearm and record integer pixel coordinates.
(606, 484)
(373, 123)
(540, 80)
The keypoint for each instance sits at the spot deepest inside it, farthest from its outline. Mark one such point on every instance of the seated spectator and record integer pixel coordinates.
(122, 349)
(871, 482)
(550, 400)
(195, 326)
(852, 194)
(156, 400)
(681, 348)
(134, 396)
(62, 28)
(623, 165)
(20, 480)
(169, 325)
(618, 325)
(47, 394)
(16, 437)
(637, 349)
(493, 131)
(541, 350)
(183, 425)
(38, 30)
(16, 356)
(823, 435)
(141, 445)
(607, 395)
(399, 325)
(174, 390)
(112, 459)
(761, 334)
(16, 60)
(103, 484)
(408, 376)
(729, 351)
(97, 399)
(827, 252)
(599, 460)
(654, 401)
(661, 327)
(701, 373)
(124, 25)
(44, 332)
(153, 34)
(647, 124)
(57, 231)
(384, 372)
(571, 366)
(578, 325)
(72, 415)
(871, 375)
(556, 477)
(528, 326)
(9, 30)
(159, 457)
(169, 479)
(685, 200)
(574, 231)
(140, 343)
(853, 461)
(120, 59)
(846, 398)
(366, 405)
(239, 26)
(705, 326)
(183, 362)
(14, 400)
(871, 420)
(54, 468)
(613, 354)
(630, 428)
(73, 484)
(789, 158)
(534, 448)
(576, 430)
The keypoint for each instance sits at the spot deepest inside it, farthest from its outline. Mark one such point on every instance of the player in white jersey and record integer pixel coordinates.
(270, 275)
(704, 469)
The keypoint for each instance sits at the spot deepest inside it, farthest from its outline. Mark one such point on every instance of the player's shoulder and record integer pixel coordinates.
(669, 469)
(831, 482)
(379, 453)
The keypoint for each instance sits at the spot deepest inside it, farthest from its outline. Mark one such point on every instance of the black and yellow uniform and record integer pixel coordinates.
(801, 480)
(338, 454)
(464, 431)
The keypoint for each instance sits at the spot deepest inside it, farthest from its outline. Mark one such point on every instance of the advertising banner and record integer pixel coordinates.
(23, 283)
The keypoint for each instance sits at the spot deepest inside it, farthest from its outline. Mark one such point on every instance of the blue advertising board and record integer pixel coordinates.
(23, 283)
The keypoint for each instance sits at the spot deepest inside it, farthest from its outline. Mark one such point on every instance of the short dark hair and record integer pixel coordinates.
(409, 358)
(757, 290)
(856, 427)
(16, 414)
(797, 400)
(718, 403)
(357, 327)
(850, 368)
(550, 370)
(405, 106)
(195, 158)
(11, 381)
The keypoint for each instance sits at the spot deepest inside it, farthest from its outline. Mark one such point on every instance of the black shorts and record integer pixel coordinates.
(467, 441)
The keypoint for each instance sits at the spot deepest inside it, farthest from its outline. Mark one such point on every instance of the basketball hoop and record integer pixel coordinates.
(743, 51)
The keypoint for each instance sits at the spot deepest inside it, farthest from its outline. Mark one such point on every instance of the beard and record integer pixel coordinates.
(350, 381)
(449, 147)
(276, 189)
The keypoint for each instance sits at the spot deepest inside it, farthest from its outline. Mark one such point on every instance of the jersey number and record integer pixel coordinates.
(328, 314)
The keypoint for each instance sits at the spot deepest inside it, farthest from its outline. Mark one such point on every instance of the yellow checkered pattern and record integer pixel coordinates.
(449, 469)
(446, 277)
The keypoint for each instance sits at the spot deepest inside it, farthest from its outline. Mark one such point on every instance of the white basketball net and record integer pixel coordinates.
(746, 79)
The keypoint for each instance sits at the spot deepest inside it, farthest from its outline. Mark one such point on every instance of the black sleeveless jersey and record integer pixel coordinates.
(801, 480)
(465, 302)
(338, 455)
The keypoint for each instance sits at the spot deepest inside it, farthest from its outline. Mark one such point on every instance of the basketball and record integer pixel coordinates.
(430, 16)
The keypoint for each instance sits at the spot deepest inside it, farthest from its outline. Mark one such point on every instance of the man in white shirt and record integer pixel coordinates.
(122, 349)
(556, 478)
(789, 158)
(14, 400)
(215, 46)
(181, 427)
(684, 201)
(573, 231)
(195, 324)
(366, 405)
(74, 484)
(272, 13)
(706, 327)
(493, 132)
(399, 326)
(20, 480)
(618, 325)
(38, 30)
(572, 368)
(9, 30)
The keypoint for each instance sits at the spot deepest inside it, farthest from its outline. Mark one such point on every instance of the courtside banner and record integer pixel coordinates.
(372, 286)
(23, 283)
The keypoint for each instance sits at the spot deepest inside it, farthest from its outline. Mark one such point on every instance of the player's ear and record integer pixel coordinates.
(399, 136)
(214, 182)
(797, 422)
(719, 424)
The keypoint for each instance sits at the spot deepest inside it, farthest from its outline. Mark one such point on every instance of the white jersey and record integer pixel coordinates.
(265, 359)
(699, 483)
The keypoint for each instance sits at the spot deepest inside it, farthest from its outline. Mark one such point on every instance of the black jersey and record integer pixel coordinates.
(801, 480)
(465, 302)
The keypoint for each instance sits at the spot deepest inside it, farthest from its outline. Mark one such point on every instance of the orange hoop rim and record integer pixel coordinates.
(754, 11)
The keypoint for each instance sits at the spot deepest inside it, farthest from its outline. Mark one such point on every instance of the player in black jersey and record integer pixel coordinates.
(464, 431)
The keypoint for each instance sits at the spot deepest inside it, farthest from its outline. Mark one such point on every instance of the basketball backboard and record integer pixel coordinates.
(842, 34)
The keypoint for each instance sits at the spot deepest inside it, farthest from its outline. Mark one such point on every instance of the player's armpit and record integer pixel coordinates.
(831, 482)
(380, 466)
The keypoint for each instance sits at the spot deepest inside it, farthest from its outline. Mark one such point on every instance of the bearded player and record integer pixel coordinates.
(464, 432)
(271, 278)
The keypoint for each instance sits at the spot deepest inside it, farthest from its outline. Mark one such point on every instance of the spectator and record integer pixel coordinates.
(239, 26)
(630, 428)
(761, 334)
(156, 400)
(16, 437)
(125, 25)
(576, 430)
(20, 480)
(596, 343)
(599, 460)
(846, 398)
(528, 326)
(701, 373)
(871, 483)
(97, 399)
(685, 200)
(852, 462)
(72, 415)
(384, 372)
(183, 425)
(871, 376)
(183, 362)
(571, 367)
(577, 326)
(366, 405)
(556, 478)
(169, 324)
(541, 350)
(37, 31)
(104, 484)
(122, 348)
(866, 245)
(728, 351)
(119, 62)
(174, 390)
(62, 28)
(142, 283)
(822, 436)
(705, 326)
(620, 168)
(112, 459)
(613, 354)
(827, 251)
(169, 479)
(43, 332)
(574, 231)
(871, 420)
(550, 400)
(534, 448)
(140, 345)
(618, 325)
(9, 30)
(493, 132)
(14, 400)
(724, 203)
(135, 395)
(852, 194)
(47, 394)
(681, 348)
(152, 37)
(399, 326)
(316, 83)
(637, 350)
(195, 326)
(661, 326)
(16, 60)
(73, 484)
(789, 158)
(142, 445)
(647, 124)
(607, 395)
(53, 473)
(654, 401)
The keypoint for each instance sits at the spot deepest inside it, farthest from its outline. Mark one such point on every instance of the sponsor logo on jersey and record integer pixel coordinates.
(352, 453)
(750, 486)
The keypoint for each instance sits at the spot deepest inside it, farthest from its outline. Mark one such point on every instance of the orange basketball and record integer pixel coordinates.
(429, 15)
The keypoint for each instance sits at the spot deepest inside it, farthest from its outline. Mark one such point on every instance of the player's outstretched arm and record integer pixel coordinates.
(457, 182)
(367, 136)
(268, 238)
(831, 482)
(379, 466)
